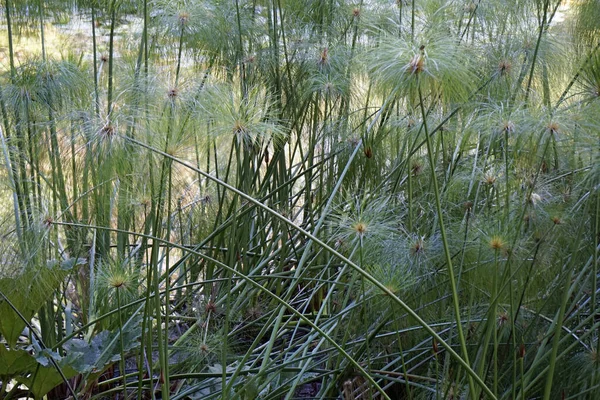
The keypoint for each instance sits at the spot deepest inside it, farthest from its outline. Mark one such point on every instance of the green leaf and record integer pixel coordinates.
(15, 362)
(44, 379)
(103, 349)
(11, 325)
(27, 293)
(44, 356)
(23, 367)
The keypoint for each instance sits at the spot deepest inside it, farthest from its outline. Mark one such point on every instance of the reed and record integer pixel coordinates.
(318, 199)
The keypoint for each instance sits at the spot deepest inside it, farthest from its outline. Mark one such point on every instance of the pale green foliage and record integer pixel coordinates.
(299, 199)
(442, 68)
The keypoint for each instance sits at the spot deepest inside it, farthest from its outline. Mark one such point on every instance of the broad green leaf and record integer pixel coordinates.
(27, 293)
(103, 349)
(15, 362)
(44, 379)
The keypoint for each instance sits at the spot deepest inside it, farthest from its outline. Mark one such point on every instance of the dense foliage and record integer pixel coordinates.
(284, 199)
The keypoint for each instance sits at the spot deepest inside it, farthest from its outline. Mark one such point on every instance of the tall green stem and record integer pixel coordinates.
(121, 343)
(111, 44)
(394, 298)
(95, 61)
(438, 206)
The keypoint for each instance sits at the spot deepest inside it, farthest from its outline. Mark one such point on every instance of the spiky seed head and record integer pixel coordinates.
(47, 222)
(489, 179)
(328, 88)
(210, 307)
(553, 128)
(360, 228)
(391, 287)
(416, 168)
(534, 198)
(145, 201)
(496, 243)
(239, 128)
(183, 18)
(356, 12)
(504, 67)
(416, 64)
(594, 356)
(348, 389)
(324, 56)
(508, 127)
(417, 247)
(117, 280)
(107, 131)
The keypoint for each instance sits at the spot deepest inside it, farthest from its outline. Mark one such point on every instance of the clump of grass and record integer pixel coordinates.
(300, 198)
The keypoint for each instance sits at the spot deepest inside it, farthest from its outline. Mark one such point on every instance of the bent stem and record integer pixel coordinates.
(464, 362)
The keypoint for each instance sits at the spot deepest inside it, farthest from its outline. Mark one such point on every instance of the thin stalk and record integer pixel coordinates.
(95, 61)
(364, 304)
(167, 284)
(410, 194)
(557, 331)
(11, 177)
(492, 320)
(577, 74)
(240, 50)
(522, 371)
(463, 362)
(412, 22)
(180, 51)
(593, 304)
(438, 205)
(111, 44)
(543, 27)
(121, 344)
(260, 287)
(42, 36)
(11, 52)
(507, 180)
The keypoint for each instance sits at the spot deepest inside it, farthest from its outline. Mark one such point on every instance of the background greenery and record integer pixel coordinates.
(300, 199)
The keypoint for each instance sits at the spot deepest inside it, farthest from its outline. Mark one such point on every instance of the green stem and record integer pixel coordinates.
(111, 43)
(121, 344)
(438, 205)
(95, 61)
(42, 36)
(557, 325)
(463, 362)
